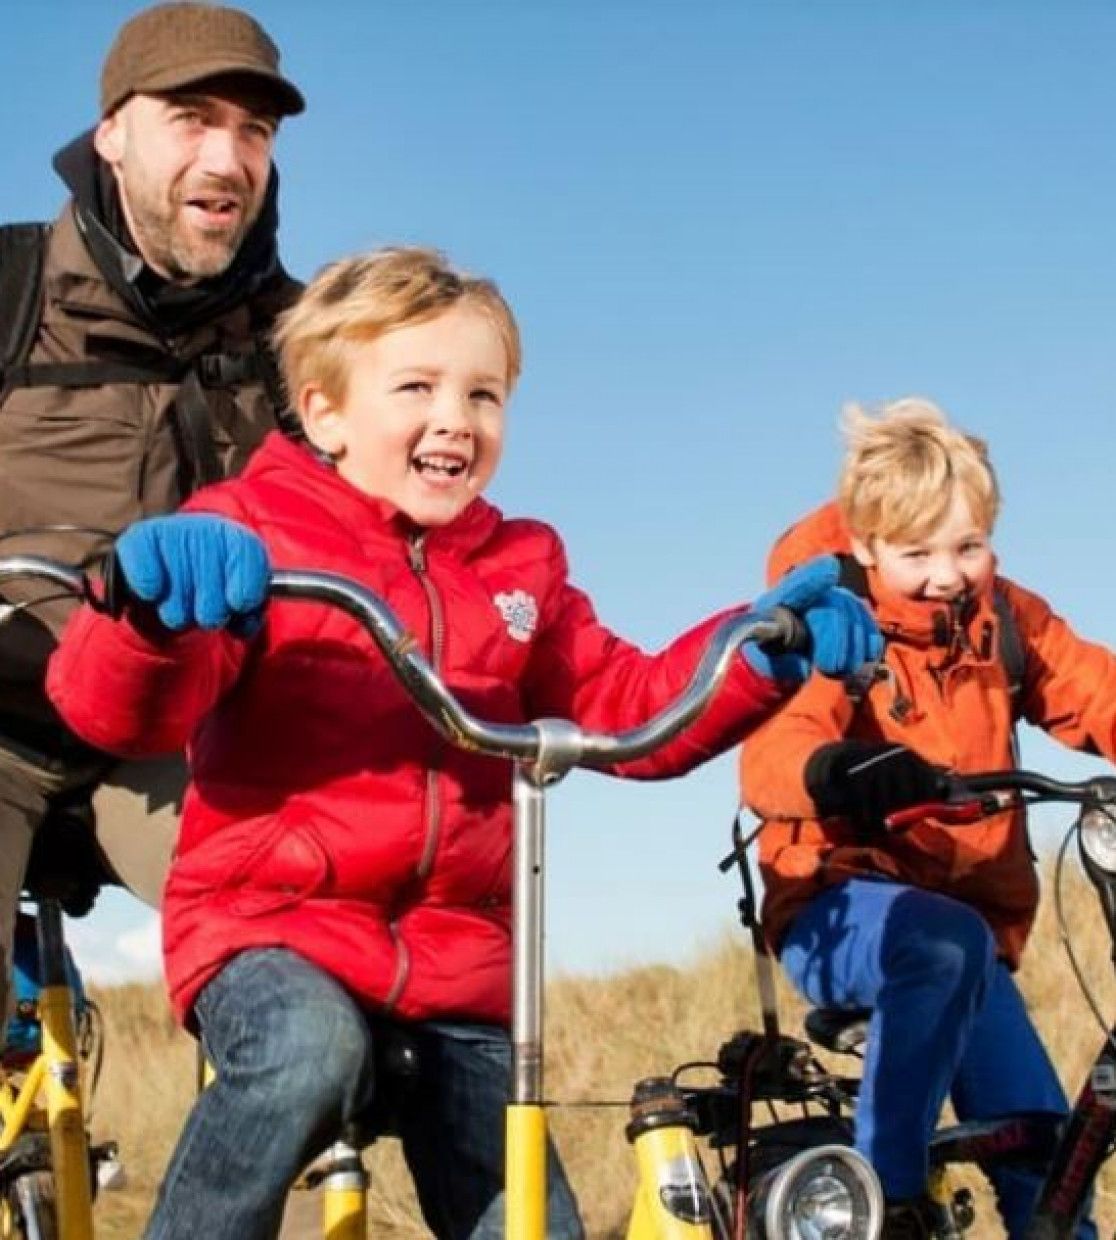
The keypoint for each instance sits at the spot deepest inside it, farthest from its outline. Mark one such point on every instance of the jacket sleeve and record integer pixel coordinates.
(581, 670)
(1069, 684)
(773, 761)
(133, 697)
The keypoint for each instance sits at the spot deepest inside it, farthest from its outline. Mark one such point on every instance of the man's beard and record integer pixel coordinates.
(170, 243)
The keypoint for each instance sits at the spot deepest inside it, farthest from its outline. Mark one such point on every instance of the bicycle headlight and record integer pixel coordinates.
(827, 1193)
(1097, 831)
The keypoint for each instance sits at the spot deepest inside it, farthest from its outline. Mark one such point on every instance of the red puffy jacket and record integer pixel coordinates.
(324, 813)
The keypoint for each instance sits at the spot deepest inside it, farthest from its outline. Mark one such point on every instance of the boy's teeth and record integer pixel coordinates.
(441, 464)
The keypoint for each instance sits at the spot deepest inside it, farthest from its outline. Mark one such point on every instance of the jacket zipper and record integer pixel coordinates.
(437, 642)
(402, 967)
(417, 557)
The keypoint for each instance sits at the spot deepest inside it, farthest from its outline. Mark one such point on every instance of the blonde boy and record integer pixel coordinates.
(339, 864)
(924, 928)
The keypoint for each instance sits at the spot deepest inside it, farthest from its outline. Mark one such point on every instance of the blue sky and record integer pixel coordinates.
(717, 222)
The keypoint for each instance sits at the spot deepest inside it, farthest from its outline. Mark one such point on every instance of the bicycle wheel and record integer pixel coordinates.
(33, 1207)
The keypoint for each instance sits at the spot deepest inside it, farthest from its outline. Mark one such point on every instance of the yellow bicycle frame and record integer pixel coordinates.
(56, 1074)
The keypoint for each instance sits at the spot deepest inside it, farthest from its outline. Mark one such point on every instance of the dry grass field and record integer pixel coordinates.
(603, 1034)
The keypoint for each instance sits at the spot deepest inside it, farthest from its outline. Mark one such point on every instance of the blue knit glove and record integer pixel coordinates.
(194, 569)
(843, 635)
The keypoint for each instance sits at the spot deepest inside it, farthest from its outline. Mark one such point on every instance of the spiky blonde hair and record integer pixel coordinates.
(904, 464)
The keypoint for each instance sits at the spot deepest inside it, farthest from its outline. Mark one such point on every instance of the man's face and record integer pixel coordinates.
(422, 422)
(192, 170)
(954, 559)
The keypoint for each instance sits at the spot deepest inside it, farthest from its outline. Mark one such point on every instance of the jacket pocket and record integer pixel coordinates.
(289, 866)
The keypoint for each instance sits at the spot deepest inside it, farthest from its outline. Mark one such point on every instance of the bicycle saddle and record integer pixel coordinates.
(398, 1060)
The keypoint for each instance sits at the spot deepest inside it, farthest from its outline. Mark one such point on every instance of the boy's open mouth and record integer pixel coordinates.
(439, 465)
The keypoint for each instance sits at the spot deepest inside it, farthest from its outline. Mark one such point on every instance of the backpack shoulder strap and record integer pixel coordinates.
(851, 574)
(22, 254)
(1012, 655)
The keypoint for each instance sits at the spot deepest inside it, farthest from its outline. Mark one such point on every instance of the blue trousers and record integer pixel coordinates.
(293, 1057)
(947, 1021)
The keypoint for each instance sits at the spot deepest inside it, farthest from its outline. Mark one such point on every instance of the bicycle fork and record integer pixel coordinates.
(68, 1145)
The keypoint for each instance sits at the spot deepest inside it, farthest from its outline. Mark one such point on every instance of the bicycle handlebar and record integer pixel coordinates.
(552, 745)
(976, 796)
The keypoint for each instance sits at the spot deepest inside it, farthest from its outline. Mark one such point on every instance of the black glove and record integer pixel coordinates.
(865, 781)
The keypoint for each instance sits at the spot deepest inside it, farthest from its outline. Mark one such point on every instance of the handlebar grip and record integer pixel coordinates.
(793, 636)
(114, 594)
(971, 810)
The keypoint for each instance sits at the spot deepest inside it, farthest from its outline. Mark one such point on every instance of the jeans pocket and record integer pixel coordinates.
(289, 866)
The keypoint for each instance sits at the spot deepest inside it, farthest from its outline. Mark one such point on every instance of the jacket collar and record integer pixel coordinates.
(950, 630)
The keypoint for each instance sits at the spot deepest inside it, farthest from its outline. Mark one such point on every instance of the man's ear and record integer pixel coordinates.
(323, 420)
(108, 139)
(863, 552)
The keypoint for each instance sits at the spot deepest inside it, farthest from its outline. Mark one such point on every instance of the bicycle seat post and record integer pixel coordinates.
(560, 748)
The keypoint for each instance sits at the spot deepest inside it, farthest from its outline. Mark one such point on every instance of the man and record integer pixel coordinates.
(146, 374)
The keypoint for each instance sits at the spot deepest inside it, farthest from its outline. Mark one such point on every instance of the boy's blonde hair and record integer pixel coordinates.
(351, 302)
(903, 467)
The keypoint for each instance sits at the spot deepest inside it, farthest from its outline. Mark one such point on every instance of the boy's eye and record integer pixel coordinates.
(915, 553)
(414, 385)
(488, 395)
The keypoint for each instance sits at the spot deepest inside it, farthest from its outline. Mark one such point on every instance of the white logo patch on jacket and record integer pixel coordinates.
(520, 613)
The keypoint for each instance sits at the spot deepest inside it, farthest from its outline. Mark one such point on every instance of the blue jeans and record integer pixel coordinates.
(947, 1020)
(293, 1057)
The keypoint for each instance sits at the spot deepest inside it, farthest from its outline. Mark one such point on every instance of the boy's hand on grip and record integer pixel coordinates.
(195, 570)
(865, 781)
(842, 633)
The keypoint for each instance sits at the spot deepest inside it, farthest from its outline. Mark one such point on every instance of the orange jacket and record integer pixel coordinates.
(947, 697)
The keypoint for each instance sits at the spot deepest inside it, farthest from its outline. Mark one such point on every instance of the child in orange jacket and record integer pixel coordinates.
(924, 928)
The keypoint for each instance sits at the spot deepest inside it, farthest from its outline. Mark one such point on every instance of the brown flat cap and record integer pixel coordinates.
(179, 44)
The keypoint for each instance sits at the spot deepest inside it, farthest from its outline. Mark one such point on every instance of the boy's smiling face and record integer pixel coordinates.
(953, 559)
(422, 422)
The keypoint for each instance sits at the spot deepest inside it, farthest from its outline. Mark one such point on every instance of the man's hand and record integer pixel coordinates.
(195, 570)
(843, 635)
(865, 781)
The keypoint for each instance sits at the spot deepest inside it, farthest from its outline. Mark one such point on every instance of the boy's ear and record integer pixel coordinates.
(322, 420)
(863, 552)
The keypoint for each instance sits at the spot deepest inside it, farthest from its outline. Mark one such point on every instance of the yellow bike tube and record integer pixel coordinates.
(344, 1214)
(672, 1200)
(525, 1122)
(69, 1148)
(344, 1194)
(16, 1112)
(525, 1132)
